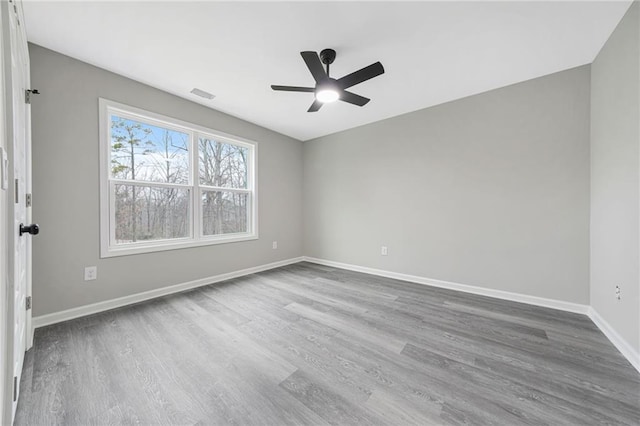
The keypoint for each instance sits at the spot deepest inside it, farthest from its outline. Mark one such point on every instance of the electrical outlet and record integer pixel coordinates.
(618, 296)
(90, 273)
(274, 245)
(384, 251)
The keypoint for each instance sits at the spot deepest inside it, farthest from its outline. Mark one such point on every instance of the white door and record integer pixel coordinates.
(20, 216)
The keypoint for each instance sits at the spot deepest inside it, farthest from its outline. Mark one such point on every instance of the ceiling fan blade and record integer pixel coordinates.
(361, 75)
(315, 66)
(315, 106)
(292, 88)
(354, 99)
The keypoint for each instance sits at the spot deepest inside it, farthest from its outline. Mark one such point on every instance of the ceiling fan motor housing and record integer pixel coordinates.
(327, 56)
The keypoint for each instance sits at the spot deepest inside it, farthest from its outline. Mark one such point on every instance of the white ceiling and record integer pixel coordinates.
(433, 52)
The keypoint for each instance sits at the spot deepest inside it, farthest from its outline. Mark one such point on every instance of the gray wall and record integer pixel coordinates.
(66, 181)
(615, 179)
(491, 190)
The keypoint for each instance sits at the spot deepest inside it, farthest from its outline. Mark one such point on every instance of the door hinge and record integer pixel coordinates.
(28, 302)
(15, 388)
(28, 200)
(28, 93)
(17, 191)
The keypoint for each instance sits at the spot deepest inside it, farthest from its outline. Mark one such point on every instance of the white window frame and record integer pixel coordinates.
(108, 247)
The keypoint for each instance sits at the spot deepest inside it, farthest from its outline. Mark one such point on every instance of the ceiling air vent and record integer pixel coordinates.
(202, 93)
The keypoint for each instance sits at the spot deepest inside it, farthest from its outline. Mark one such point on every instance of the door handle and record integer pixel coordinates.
(32, 229)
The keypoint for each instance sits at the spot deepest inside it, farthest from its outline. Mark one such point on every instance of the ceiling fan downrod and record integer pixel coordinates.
(327, 56)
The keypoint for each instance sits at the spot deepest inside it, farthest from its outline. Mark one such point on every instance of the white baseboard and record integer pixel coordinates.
(622, 345)
(94, 308)
(498, 294)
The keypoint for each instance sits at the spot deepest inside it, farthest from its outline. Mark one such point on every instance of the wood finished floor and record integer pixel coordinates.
(308, 344)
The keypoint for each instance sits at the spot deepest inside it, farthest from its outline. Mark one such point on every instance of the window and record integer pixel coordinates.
(168, 184)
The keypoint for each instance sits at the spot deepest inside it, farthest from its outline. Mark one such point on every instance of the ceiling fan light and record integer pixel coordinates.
(327, 95)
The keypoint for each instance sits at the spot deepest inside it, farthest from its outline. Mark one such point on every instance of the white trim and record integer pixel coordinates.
(176, 244)
(108, 247)
(497, 294)
(622, 345)
(145, 183)
(94, 308)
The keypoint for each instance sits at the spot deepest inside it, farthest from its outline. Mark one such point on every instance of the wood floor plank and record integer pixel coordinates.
(310, 344)
(381, 339)
(315, 296)
(331, 406)
(395, 409)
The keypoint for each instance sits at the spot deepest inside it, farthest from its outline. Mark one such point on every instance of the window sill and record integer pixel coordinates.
(152, 247)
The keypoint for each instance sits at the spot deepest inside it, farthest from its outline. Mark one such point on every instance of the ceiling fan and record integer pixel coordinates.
(329, 89)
